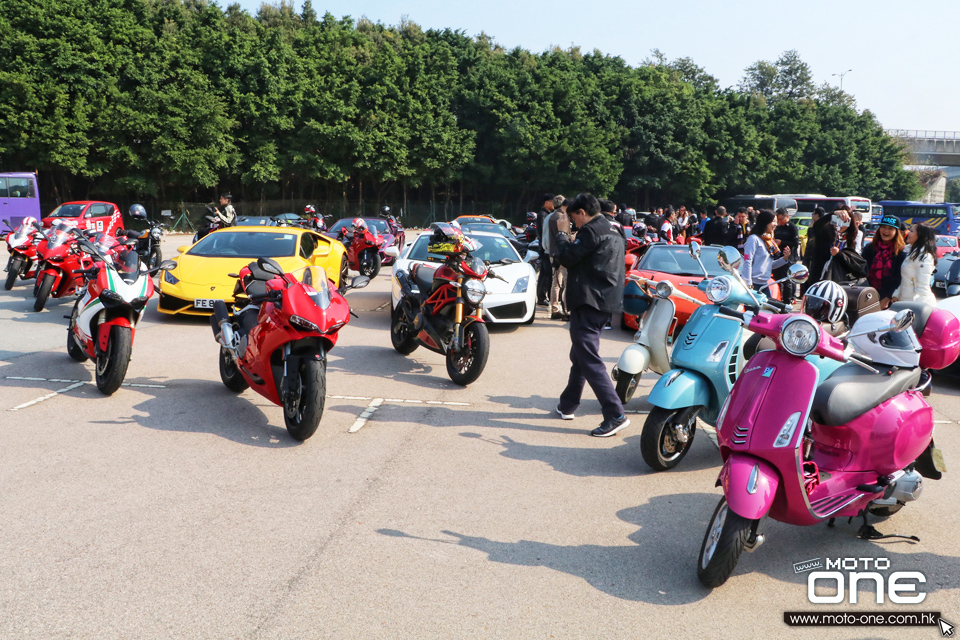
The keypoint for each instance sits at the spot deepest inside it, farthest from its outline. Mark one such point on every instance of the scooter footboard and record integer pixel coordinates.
(678, 388)
(749, 484)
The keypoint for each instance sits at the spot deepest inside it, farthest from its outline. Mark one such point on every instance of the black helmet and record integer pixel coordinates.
(137, 211)
(531, 216)
(384, 210)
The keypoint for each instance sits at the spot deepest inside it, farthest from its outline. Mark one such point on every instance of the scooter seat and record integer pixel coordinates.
(852, 391)
(423, 277)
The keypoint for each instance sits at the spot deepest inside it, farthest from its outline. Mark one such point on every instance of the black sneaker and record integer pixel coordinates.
(610, 427)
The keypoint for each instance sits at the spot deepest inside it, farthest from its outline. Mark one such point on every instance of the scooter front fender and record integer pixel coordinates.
(679, 388)
(634, 360)
(749, 484)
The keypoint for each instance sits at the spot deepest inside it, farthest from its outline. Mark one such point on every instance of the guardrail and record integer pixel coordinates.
(923, 135)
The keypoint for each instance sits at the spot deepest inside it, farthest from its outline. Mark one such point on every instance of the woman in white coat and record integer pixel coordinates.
(918, 266)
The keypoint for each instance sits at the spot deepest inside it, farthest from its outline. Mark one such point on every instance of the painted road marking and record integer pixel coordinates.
(369, 411)
(125, 384)
(48, 396)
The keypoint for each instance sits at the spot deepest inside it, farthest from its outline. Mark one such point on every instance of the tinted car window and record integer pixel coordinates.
(3, 187)
(677, 261)
(66, 211)
(373, 223)
(245, 244)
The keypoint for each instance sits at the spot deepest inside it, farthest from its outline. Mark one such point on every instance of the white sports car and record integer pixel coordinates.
(510, 301)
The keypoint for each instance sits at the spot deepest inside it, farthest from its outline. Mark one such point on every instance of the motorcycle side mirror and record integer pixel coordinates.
(359, 282)
(798, 273)
(183, 248)
(695, 249)
(166, 265)
(7, 222)
(729, 259)
(270, 266)
(902, 320)
(392, 252)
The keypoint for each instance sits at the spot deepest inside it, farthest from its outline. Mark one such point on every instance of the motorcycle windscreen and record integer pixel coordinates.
(317, 284)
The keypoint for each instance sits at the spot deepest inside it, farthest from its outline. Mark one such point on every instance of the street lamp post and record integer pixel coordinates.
(841, 77)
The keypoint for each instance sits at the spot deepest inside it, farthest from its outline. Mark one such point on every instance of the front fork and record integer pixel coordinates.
(457, 341)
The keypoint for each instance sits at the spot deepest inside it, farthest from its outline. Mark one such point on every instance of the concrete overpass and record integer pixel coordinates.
(932, 148)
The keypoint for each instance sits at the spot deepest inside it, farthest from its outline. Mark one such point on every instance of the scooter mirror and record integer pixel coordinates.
(359, 282)
(797, 273)
(695, 249)
(270, 266)
(392, 252)
(729, 259)
(167, 265)
(901, 320)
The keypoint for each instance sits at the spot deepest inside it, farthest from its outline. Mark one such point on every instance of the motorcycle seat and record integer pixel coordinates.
(423, 277)
(852, 391)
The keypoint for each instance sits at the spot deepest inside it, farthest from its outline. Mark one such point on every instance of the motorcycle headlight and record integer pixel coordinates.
(139, 303)
(664, 289)
(303, 324)
(474, 291)
(155, 232)
(169, 278)
(800, 336)
(718, 290)
(522, 284)
(110, 298)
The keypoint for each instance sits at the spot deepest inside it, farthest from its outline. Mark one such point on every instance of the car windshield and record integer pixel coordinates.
(253, 221)
(487, 227)
(375, 224)
(676, 260)
(946, 241)
(492, 249)
(66, 211)
(802, 221)
(474, 220)
(245, 244)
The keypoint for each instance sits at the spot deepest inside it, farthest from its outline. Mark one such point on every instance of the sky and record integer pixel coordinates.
(898, 57)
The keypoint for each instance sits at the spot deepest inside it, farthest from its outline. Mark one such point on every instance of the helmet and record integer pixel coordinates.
(309, 209)
(531, 216)
(891, 348)
(449, 240)
(825, 301)
(137, 211)
(359, 224)
(384, 210)
(29, 222)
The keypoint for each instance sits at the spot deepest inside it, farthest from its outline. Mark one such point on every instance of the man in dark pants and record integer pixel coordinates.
(786, 234)
(595, 272)
(545, 279)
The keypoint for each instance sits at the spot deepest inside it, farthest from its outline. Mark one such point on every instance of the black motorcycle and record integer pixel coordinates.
(148, 244)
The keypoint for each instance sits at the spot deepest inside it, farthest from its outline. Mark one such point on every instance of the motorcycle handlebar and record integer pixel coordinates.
(730, 312)
(776, 304)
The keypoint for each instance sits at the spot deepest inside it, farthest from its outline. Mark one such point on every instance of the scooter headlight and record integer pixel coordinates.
(718, 290)
(475, 291)
(664, 289)
(800, 336)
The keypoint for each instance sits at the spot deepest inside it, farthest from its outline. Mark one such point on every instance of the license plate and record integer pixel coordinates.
(203, 303)
(941, 285)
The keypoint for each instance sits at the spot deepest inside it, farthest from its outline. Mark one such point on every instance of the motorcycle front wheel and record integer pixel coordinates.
(43, 292)
(73, 349)
(155, 258)
(112, 365)
(660, 443)
(370, 265)
(304, 408)
(14, 271)
(723, 543)
(626, 386)
(466, 365)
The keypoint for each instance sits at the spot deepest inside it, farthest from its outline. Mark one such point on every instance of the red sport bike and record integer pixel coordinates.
(440, 306)
(279, 336)
(62, 265)
(363, 248)
(22, 245)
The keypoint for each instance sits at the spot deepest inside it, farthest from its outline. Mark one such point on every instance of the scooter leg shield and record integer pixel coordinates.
(634, 360)
(749, 484)
(953, 289)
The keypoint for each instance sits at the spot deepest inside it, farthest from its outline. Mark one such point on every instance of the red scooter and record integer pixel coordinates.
(363, 248)
(22, 244)
(279, 336)
(62, 265)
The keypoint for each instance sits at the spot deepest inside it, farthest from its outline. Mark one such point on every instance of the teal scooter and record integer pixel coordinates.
(707, 357)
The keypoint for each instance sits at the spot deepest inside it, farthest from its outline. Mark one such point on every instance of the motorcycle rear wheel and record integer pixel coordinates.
(303, 418)
(43, 292)
(402, 337)
(466, 365)
(723, 543)
(112, 365)
(660, 449)
(73, 349)
(14, 271)
(229, 373)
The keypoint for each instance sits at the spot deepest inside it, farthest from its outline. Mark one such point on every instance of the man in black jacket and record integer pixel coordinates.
(595, 270)
(786, 234)
(715, 230)
(545, 279)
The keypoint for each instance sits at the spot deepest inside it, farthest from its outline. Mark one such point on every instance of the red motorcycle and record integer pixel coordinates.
(440, 307)
(363, 248)
(62, 265)
(279, 336)
(22, 244)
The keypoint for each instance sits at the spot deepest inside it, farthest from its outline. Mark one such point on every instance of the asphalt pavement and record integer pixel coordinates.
(177, 509)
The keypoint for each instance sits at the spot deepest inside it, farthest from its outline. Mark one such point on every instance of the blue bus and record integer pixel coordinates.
(944, 216)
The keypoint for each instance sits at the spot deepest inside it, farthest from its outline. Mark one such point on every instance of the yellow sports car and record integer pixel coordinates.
(202, 272)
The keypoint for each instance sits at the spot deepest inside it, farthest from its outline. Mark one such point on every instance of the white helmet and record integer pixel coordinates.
(825, 301)
(891, 348)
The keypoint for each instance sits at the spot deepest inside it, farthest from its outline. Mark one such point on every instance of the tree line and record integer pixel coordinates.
(176, 99)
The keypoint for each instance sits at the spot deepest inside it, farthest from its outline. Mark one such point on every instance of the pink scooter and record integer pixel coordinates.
(802, 451)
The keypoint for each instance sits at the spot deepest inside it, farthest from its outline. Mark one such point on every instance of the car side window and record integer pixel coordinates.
(96, 210)
(3, 187)
(307, 245)
(19, 187)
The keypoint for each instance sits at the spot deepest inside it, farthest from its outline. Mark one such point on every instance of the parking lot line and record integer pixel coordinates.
(48, 396)
(369, 411)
